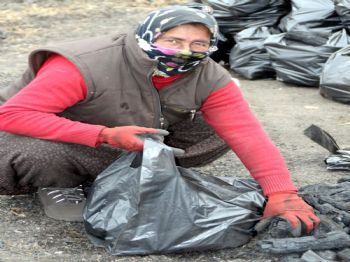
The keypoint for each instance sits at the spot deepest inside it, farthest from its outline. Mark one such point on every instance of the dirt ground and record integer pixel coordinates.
(26, 234)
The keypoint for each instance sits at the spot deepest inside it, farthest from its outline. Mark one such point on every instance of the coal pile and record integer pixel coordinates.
(330, 241)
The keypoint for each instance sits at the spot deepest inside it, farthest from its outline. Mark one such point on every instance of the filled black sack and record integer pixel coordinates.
(249, 57)
(144, 204)
(317, 16)
(298, 57)
(342, 7)
(335, 77)
(236, 15)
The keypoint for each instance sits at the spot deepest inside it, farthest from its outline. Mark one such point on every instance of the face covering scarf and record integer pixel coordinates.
(174, 61)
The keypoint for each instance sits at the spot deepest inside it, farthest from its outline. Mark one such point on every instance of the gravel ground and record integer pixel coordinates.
(26, 234)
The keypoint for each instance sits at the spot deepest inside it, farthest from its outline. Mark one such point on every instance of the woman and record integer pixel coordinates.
(81, 102)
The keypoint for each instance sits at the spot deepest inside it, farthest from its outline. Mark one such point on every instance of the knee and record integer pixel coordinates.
(38, 153)
(30, 161)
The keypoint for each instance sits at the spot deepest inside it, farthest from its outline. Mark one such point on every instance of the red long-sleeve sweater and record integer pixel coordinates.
(59, 85)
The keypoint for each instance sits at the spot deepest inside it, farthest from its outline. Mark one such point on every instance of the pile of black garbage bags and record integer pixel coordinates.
(305, 43)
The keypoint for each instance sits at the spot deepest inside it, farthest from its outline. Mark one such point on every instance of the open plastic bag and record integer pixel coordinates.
(340, 158)
(146, 204)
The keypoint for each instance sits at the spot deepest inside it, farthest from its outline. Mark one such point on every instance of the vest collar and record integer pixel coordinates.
(138, 60)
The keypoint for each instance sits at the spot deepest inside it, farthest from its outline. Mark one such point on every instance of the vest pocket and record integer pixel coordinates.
(176, 113)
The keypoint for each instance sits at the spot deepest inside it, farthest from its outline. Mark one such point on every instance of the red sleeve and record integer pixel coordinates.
(230, 116)
(32, 112)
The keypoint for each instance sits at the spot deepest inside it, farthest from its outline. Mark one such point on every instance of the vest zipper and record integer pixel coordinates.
(161, 120)
(160, 113)
(193, 114)
(160, 116)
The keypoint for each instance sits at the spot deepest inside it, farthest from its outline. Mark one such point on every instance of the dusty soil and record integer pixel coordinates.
(26, 234)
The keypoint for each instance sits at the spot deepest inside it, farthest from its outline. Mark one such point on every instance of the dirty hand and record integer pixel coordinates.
(126, 137)
(159, 137)
(292, 208)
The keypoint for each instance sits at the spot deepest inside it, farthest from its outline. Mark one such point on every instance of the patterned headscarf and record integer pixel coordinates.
(170, 61)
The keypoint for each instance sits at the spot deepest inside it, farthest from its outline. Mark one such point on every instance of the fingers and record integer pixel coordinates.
(146, 130)
(316, 219)
(134, 145)
(162, 132)
(292, 219)
(309, 220)
(177, 151)
(156, 134)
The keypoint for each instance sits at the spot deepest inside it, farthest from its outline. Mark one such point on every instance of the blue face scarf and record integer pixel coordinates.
(173, 61)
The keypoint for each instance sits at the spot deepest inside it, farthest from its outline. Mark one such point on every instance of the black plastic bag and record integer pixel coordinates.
(234, 16)
(298, 57)
(249, 56)
(146, 204)
(342, 7)
(335, 77)
(224, 45)
(340, 158)
(317, 16)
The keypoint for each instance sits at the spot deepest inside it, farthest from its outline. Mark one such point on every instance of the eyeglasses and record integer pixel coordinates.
(176, 43)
